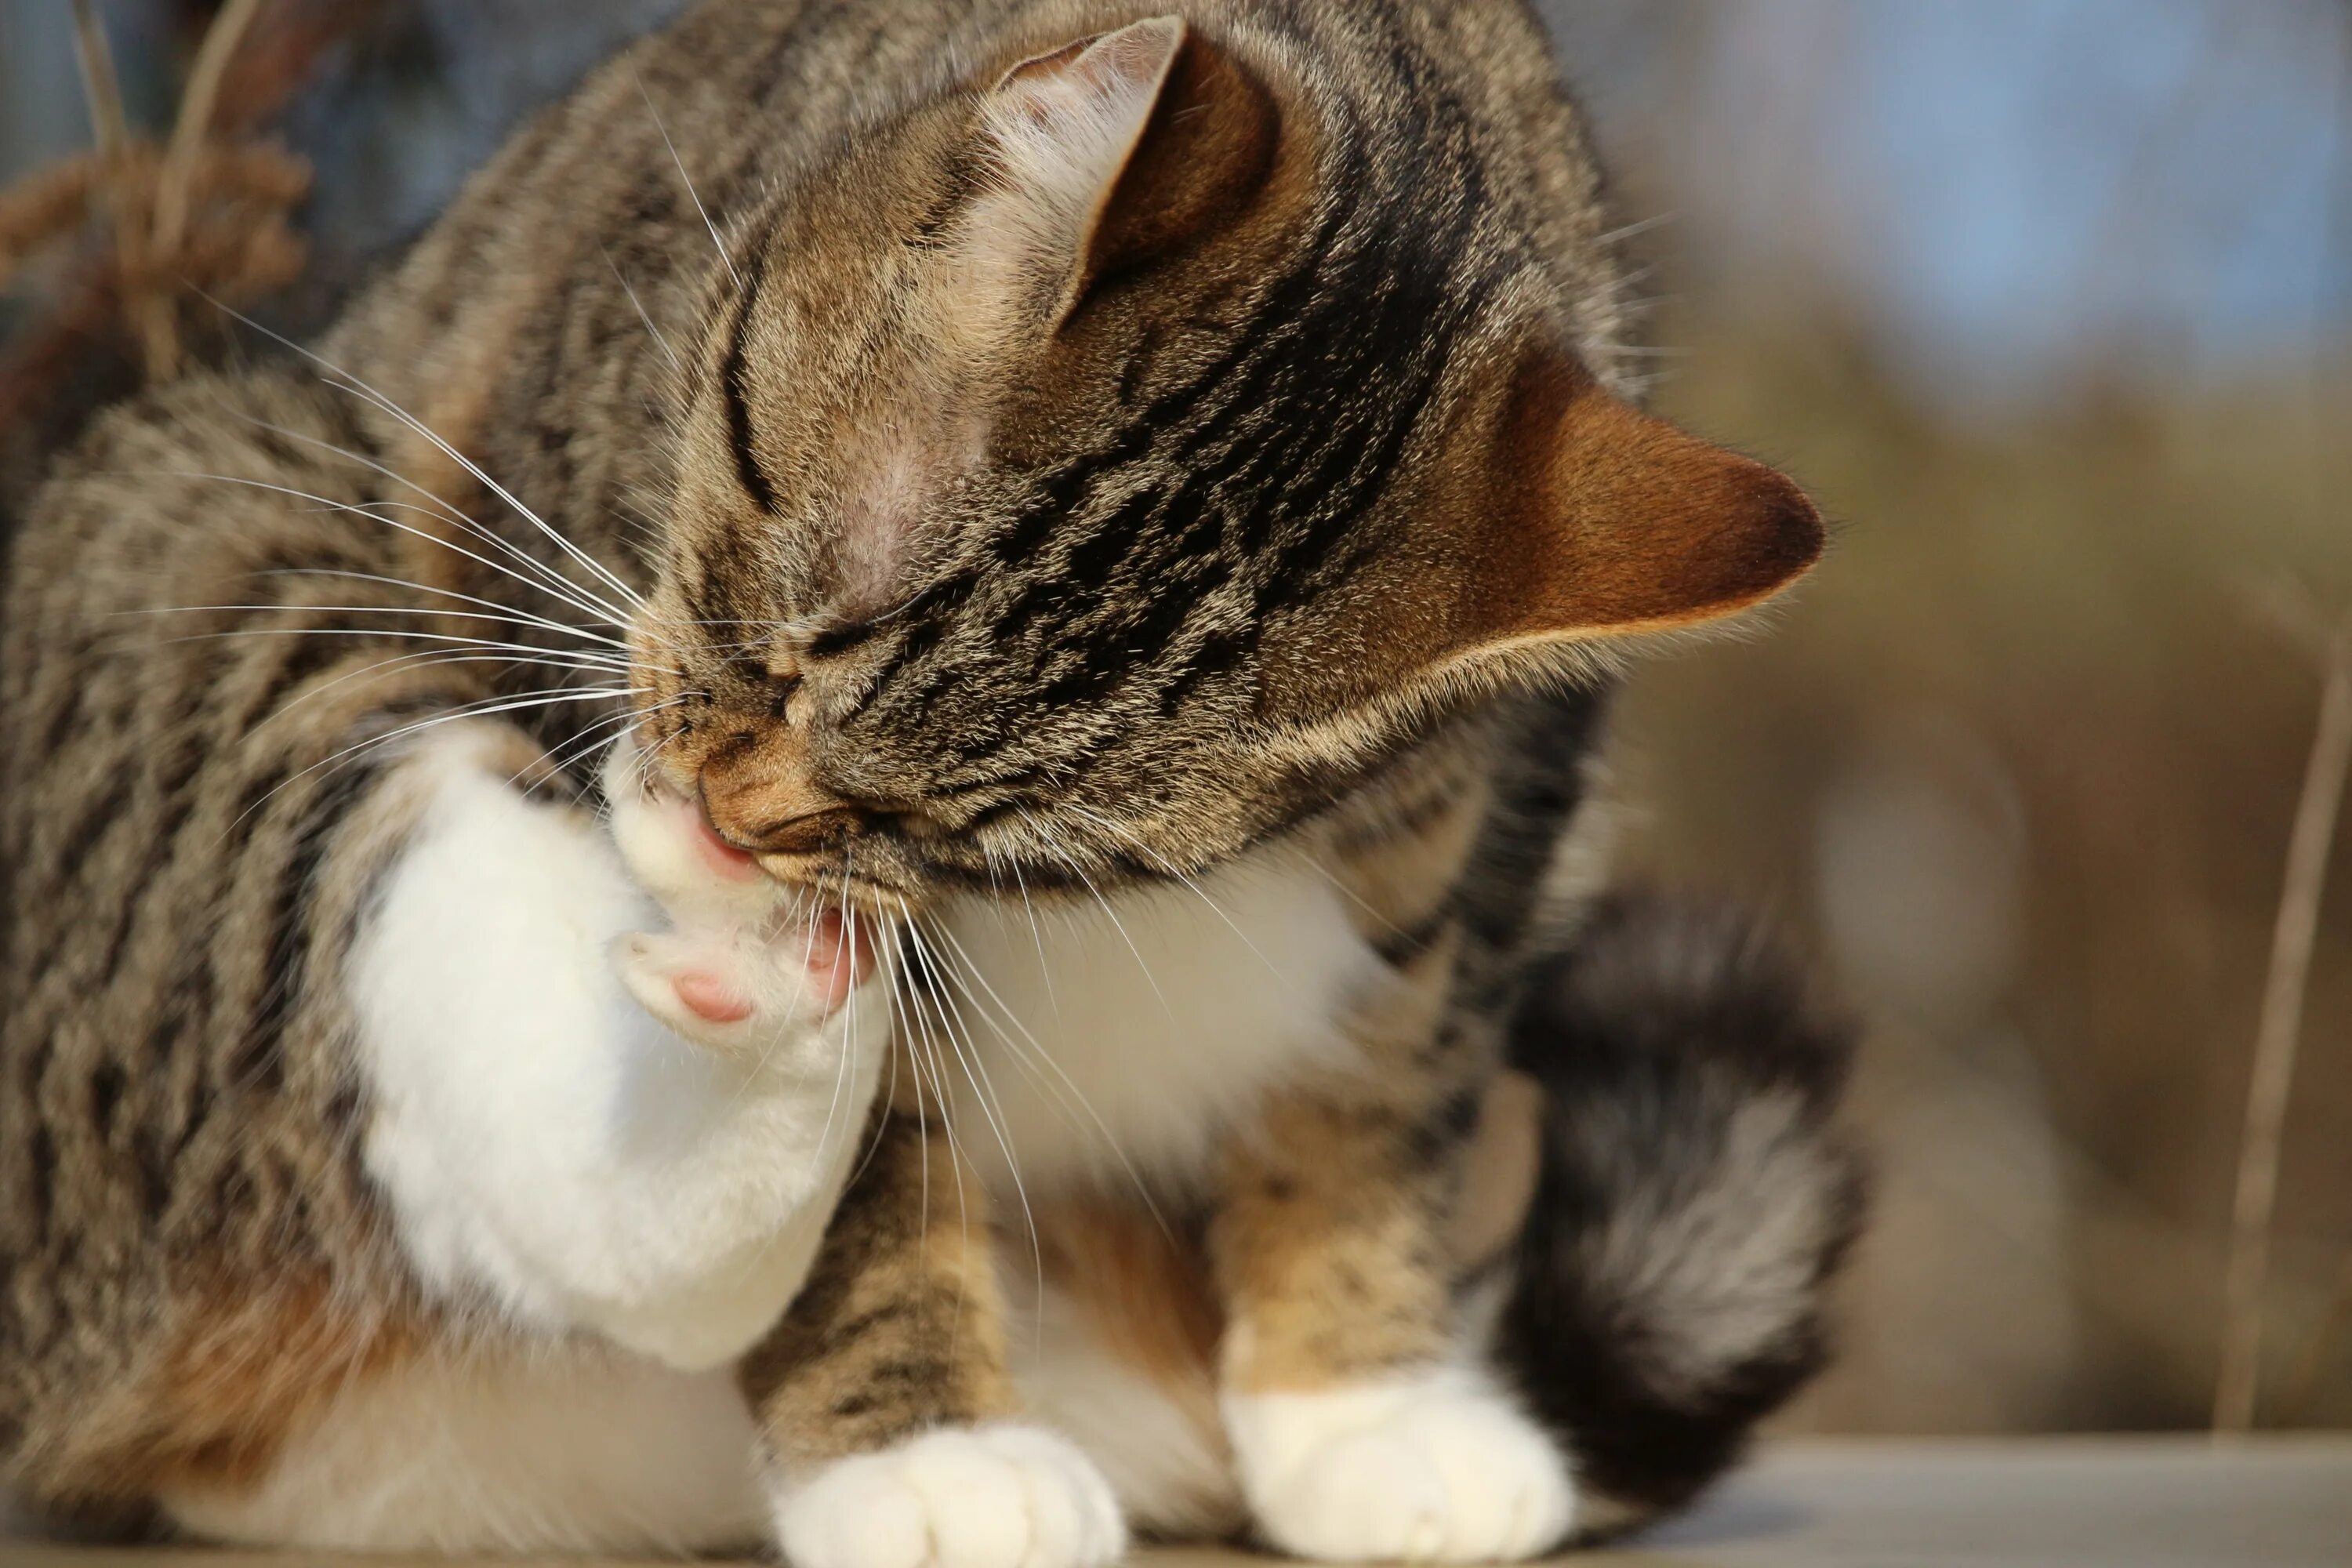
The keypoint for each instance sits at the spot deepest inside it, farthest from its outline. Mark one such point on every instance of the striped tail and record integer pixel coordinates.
(1695, 1200)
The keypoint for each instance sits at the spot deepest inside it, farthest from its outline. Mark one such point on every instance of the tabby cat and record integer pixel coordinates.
(834, 833)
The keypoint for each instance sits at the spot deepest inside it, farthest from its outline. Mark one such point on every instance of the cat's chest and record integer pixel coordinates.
(1122, 1039)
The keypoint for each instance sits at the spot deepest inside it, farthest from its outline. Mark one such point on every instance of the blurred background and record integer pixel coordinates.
(2050, 304)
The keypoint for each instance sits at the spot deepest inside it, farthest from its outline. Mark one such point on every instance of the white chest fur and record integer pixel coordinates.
(1119, 1039)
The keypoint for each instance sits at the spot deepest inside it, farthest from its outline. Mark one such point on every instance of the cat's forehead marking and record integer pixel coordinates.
(887, 514)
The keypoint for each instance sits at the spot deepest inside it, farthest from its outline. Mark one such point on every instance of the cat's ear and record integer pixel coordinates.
(1563, 516)
(1601, 519)
(1118, 147)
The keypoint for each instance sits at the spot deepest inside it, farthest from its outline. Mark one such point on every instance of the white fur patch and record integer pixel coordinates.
(545, 1143)
(993, 1497)
(1123, 1041)
(569, 1451)
(1438, 1468)
(1173, 1478)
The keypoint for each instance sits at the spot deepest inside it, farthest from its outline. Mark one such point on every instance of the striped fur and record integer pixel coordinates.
(1021, 446)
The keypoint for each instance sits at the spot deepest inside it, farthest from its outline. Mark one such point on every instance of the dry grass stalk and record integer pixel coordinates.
(2277, 1037)
(163, 202)
(195, 123)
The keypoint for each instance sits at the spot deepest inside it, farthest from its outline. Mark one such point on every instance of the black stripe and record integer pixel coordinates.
(1399, 946)
(258, 1059)
(734, 379)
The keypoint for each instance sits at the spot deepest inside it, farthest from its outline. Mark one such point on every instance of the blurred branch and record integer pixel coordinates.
(195, 120)
(206, 214)
(2277, 1037)
(120, 186)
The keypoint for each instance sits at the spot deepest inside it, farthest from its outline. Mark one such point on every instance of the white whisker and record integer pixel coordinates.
(696, 196)
(659, 341)
(338, 376)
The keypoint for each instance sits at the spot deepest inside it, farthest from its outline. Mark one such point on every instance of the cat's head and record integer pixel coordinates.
(1093, 471)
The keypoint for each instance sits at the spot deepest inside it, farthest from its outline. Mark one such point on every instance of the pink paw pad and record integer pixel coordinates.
(710, 998)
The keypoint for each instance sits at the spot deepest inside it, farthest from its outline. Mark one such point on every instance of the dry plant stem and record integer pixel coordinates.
(43, 206)
(149, 313)
(2276, 1041)
(196, 109)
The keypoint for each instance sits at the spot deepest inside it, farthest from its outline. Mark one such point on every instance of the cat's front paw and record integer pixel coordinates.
(745, 989)
(673, 852)
(989, 1497)
(1434, 1468)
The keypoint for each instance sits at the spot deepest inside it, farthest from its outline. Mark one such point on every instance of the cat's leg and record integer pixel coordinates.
(544, 1140)
(887, 1417)
(1364, 1424)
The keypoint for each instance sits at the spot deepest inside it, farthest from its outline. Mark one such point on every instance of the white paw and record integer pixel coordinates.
(1434, 1468)
(674, 854)
(991, 1497)
(742, 992)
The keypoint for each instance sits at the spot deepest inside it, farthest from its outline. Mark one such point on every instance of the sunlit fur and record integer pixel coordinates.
(1010, 460)
(1101, 586)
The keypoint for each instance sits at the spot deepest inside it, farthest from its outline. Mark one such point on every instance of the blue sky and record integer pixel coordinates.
(2006, 187)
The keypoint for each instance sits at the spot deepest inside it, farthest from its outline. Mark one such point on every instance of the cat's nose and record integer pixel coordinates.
(767, 805)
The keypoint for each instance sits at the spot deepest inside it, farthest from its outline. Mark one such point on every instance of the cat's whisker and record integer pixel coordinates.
(1037, 935)
(975, 1072)
(601, 612)
(848, 956)
(1079, 871)
(1165, 869)
(692, 194)
(1034, 1054)
(561, 541)
(643, 314)
(900, 1005)
(584, 740)
(428, 658)
(572, 659)
(492, 608)
(928, 1041)
(1640, 225)
(888, 1097)
(484, 708)
(337, 377)
(649, 756)
(547, 580)
(923, 1117)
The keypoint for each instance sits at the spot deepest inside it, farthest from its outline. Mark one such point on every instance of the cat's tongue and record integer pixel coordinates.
(840, 956)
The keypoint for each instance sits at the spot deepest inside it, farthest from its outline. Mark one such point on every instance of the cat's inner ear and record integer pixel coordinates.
(1602, 518)
(1562, 515)
(1115, 148)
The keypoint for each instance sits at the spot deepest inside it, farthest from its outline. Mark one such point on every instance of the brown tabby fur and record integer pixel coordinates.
(1377, 219)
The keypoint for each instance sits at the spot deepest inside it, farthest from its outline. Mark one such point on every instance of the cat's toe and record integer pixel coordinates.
(692, 984)
(1435, 1470)
(992, 1496)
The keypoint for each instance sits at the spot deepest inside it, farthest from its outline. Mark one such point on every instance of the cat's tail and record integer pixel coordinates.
(1694, 1198)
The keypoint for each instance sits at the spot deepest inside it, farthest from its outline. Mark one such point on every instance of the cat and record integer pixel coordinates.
(834, 833)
